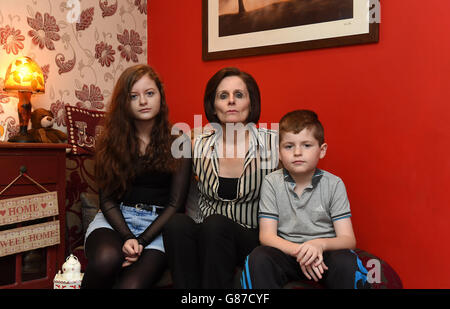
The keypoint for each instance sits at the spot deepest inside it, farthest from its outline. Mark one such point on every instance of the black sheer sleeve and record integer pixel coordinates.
(178, 193)
(113, 215)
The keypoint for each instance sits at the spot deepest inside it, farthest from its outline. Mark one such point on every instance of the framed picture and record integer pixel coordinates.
(238, 28)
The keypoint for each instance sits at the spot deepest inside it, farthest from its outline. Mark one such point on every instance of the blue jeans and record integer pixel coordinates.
(137, 219)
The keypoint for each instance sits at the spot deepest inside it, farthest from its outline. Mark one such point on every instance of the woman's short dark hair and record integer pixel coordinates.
(252, 87)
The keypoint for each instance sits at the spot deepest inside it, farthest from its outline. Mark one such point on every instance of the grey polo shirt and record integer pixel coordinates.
(305, 217)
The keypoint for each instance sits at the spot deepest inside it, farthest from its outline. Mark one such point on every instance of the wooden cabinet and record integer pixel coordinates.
(45, 163)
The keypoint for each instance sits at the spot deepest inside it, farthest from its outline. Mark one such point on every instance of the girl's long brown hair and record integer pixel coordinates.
(117, 149)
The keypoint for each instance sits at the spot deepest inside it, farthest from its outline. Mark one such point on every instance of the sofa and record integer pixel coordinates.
(82, 202)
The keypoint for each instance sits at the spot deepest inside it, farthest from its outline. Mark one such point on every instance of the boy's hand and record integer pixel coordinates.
(309, 252)
(314, 272)
(132, 250)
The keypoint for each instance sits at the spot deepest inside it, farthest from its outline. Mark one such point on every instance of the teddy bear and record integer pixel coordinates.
(41, 127)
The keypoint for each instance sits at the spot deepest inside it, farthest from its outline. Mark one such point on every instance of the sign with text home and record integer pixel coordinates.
(28, 207)
(30, 237)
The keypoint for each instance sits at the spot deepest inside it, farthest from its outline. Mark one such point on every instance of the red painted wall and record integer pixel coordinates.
(386, 114)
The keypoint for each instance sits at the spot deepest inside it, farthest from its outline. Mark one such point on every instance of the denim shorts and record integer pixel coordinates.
(137, 219)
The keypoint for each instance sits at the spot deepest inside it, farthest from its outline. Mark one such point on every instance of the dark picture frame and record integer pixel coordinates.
(340, 23)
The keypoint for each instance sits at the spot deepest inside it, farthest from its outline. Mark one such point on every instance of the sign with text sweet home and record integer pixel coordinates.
(29, 238)
(26, 208)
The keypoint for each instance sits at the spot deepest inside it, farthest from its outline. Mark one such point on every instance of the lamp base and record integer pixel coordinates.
(22, 137)
(24, 110)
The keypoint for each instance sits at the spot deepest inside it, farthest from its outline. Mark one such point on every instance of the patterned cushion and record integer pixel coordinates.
(389, 279)
(83, 127)
(80, 179)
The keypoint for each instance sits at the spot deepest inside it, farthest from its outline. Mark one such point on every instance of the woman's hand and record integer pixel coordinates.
(132, 250)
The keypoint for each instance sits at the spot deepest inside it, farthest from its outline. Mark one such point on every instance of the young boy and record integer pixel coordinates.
(304, 218)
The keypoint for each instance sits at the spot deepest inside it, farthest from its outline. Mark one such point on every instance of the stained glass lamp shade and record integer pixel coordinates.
(25, 77)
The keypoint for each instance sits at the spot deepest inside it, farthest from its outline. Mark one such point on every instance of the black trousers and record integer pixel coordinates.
(205, 255)
(270, 268)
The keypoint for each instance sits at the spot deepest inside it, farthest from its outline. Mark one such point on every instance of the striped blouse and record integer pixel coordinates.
(260, 160)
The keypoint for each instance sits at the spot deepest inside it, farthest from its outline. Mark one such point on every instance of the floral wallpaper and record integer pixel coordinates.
(82, 47)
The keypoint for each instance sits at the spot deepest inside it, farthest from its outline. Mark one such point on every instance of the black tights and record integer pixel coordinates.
(104, 253)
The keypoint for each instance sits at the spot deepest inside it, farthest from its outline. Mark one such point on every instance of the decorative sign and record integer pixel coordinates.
(29, 238)
(28, 207)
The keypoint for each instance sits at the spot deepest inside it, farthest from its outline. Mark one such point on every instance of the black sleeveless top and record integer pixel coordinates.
(227, 188)
(152, 188)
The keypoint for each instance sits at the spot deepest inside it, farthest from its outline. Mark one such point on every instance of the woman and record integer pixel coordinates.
(230, 163)
(141, 186)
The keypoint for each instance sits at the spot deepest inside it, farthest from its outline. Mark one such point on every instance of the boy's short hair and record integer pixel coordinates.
(298, 120)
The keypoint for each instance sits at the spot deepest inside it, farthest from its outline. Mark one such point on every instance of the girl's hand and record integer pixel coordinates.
(132, 250)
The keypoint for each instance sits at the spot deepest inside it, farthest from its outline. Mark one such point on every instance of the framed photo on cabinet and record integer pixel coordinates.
(238, 28)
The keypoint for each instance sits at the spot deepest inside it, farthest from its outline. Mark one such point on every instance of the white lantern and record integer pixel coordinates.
(71, 276)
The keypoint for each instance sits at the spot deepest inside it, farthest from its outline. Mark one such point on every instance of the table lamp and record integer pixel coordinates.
(25, 77)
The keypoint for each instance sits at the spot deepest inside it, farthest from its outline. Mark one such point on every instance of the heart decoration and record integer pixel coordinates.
(43, 205)
(2, 212)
